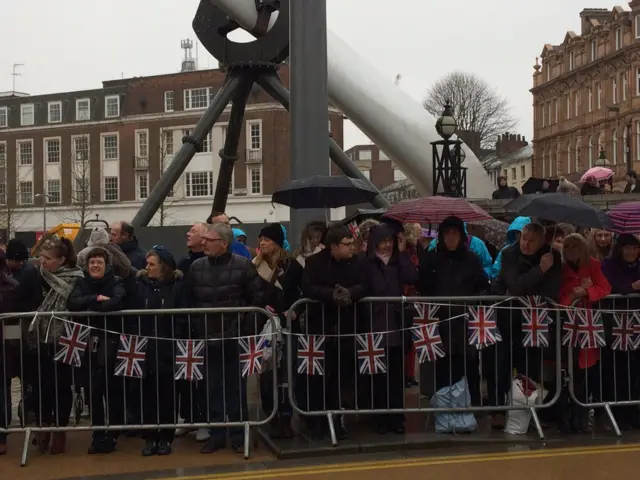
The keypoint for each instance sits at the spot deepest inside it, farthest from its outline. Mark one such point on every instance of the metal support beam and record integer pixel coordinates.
(229, 152)
(271, 83)
(190, 145)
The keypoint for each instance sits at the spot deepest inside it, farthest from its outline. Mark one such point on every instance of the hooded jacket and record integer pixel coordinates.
(100, 238)
(620, 274)
(516, 226)
(476, 246)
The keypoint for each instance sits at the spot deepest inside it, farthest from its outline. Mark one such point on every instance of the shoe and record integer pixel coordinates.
(275, 428)
(102, 445)
(497, 421)
(285, 427)
(58, 443)
(213, 445)
(42, 440)
(237, 447)
(202, 435)
(397, 428)
(150, 449)
(164, 447)
(3, 448)
(381, 427)
(411, 382)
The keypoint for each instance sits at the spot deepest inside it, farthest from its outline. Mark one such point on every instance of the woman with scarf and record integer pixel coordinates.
(58, 274)
(600, 244)
(283, 277)
(311, 241)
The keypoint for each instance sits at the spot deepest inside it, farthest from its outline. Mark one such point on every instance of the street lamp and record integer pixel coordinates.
(45, 199)
(449, 177)
(602, 160)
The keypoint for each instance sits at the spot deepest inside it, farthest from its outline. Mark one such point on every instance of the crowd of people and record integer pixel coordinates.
(333, 267)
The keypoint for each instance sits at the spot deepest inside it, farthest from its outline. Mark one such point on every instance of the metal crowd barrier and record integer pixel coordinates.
(604, 359)
(332, 356)
(136, 370)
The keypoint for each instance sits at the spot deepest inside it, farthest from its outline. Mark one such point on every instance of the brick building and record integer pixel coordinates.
(101, 151)
(586, 96)
(512, 159)
(375, 165)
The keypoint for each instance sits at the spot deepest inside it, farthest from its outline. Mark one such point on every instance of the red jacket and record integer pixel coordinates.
(600, 289)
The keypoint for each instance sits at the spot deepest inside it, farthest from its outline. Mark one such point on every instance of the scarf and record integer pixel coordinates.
(61, 283)
(302, 258)
(267, 273)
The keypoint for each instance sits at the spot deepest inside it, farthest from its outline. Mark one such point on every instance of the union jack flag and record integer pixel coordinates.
(591, 329)
(571, 336)
(427, 341)
(355, 229)
(131, 355)
(426, 313)
(311, 355)
(626, 329)
(535, 322)
(189, 360)
(483, 329)
(73, 342)
(251, 352)
(371, 354)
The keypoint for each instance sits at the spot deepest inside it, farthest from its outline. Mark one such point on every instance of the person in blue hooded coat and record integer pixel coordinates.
(476, 246)
(513, 235)
(236, 247)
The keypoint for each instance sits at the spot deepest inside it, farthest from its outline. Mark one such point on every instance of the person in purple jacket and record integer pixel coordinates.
(622, 269)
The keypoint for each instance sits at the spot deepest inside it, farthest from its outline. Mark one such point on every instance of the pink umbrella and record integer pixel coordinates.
(600, 173)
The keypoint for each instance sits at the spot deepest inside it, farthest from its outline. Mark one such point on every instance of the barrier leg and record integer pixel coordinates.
(247, 440)
(25, 447)
(612, 418)
(332, 430)
(536, 422)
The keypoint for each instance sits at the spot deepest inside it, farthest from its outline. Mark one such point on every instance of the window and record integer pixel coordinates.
(207, 145)
(53, 191)
(83, 109)
(382, 156)
(589, 99)
(3, 193)
(366, 154)
(544, 117)
(167, 142)
(599, 88)
(594, 50)
(614, 148)
(25, 152)
(81, 187)
(568, 102)
(637, 22)
(168, 101)
(55, 112)
(112, 106)
(398, 175)
(80, 147)
(547, 72)
(367, 174)
(199, 184)
(576, 104)
(142, 186)
(25, 190)
(618, 38)
(572, 60)
(142, 148)
(3, 154)
(255, 135)
(549, 112)
(523, 171)
(4, 117)
(52, 150)
(638, 81)
(637, 140)
(614, 90)
(625, 86)
(568, 159)
(576, 158)
(555, 110)
(590, 152)
(110, 147)
(195, 98)
(110, 189)
(255, 180)
(27, 114)
(513, 174)
(504, 173)
(625, 145)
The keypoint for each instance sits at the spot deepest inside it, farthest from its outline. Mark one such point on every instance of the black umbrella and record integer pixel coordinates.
(324, 192)
(560, 208)
(361, 214)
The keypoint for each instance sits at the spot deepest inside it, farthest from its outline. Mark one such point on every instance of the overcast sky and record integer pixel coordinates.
(76, 44)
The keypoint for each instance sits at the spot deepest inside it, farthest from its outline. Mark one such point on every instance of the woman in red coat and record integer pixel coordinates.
(582, 284)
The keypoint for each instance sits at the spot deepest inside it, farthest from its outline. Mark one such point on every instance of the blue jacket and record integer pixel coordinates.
(478, 247)
(516, 226)
(240, 249)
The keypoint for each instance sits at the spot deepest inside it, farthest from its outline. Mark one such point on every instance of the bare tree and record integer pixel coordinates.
(477, 106)
(11, 217)
(165, 212)
(82, 199)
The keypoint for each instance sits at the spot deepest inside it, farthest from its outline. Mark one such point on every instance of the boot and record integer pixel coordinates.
(285, 427)
(58, 443)
(577, 418)
(3, 444)
(275, 429)
(42, 441)
(497, 421)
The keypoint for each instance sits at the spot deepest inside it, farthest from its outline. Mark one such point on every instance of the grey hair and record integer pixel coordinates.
(223, 230)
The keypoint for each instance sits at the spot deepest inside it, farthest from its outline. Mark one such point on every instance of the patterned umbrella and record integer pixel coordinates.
(434, 210)
(600, 174)
(495, 231)
(625, 217)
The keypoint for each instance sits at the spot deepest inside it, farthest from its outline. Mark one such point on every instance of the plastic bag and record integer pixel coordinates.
(524, 392)
(271, 332)
(455, 396)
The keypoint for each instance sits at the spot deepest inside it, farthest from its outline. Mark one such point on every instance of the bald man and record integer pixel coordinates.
(194, 244)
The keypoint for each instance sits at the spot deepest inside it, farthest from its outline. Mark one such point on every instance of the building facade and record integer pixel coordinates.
(586, 96)
(102, 151)
(375, 164)
(513, 159)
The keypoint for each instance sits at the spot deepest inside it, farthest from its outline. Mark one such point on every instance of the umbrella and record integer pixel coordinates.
(559, 208)
(361, 214)
(495, 231)
(625, 217)
(532, 185)
(600, 173)
(322, 191)
(434, 210)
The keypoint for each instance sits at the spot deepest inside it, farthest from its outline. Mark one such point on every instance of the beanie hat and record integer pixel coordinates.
(627, 239)
(164, 255)
(274, 232)
(16, 250)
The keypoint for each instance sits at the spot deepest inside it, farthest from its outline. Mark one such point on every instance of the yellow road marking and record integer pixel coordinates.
(411, 463)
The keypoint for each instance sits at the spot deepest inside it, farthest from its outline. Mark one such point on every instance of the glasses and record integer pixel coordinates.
(348, 244)
(209, 239)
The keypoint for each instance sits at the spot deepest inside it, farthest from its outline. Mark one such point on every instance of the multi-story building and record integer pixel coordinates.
(375, 165)
(586, 96)
(101, 151)
(512, 159)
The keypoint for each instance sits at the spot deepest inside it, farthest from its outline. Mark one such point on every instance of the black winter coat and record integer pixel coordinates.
(135, 254)
(280, 299)
(227, 281)
(185, 262)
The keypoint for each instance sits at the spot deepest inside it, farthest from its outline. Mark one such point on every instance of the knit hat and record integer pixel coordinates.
(164, 255)
(99, 236)
(627, 239)
(274, 232)
(16, 250)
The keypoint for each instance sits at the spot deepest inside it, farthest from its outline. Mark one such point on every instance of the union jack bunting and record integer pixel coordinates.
(625, 332)
(590, 329)
(426, 313)
(189, 360)
(371, 355)
(427, 341)
(131, 355)
(535, 322)
(311, 355)
(483, 329)
(571, 337)
(73, 342)
(251, 352)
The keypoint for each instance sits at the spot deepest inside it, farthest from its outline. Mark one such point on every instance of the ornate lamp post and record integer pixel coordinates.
(449, 177)
(602, 160)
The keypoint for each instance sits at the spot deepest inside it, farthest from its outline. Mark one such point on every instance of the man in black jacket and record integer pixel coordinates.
(504, 191)
(195, 246)
(223, 280)
(123, 235)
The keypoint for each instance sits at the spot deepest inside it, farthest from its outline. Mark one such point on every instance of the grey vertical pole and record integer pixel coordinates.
(309, 100)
